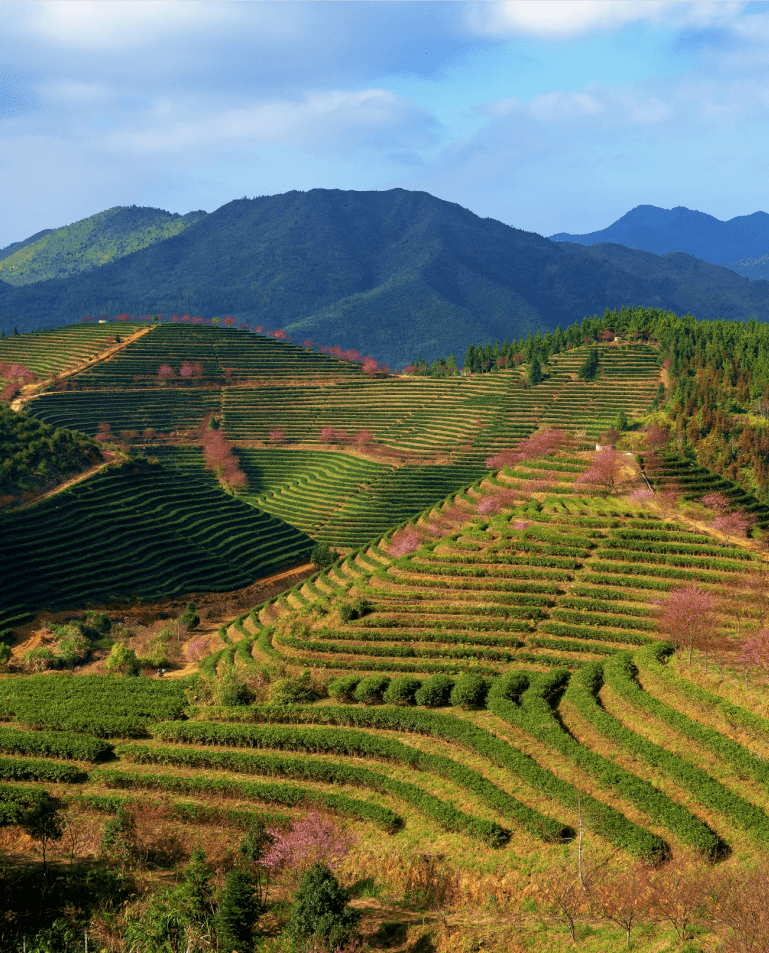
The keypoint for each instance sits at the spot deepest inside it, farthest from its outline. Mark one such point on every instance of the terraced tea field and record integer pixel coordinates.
(425, 438)
(137, 533)
(496, 679)
(47, 353)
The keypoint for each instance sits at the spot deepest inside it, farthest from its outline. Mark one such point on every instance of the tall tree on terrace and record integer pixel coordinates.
(688, 618)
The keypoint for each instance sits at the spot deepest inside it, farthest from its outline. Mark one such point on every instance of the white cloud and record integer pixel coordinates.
(557, 19)
(336, 119)
(97, 26)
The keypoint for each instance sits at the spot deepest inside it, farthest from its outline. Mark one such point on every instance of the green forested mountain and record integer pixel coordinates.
(89, 243)
(393, 274)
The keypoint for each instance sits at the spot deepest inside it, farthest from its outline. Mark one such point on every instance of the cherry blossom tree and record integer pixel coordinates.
(186, 370)
(731, 524)
(362, 438)
(688, 618)
(314, 840)
(604, 472)
(539, 444)
(716, 501)
(277, 436)
(754, 654)
(370, 365)
(641, 496)
(166, 372)
(489, 504)
(404, 542)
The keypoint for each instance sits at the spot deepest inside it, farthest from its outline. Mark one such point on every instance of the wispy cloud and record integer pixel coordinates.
(558, 19)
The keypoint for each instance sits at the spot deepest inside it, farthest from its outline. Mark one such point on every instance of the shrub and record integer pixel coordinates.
(401, 691)
(343, 688)
(294, 691)
(323, 555)
(39, 659)
(123, 660)
(321, 914)
(353, 609)
(435, 691)
(5, 653)
(190, 616)
(469, 691)
(72, 646)
(371, 689)
(95, 625)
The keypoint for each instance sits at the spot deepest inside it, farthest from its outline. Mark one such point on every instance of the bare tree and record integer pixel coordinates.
(623, 897)
(681, 892)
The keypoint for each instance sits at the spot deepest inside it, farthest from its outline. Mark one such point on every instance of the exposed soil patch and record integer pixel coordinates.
(214, 608)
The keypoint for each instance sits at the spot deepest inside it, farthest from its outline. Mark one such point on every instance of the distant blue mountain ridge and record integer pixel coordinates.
(741, 244)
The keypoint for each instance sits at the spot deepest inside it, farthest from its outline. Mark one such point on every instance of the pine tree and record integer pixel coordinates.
(237, 912)
(321, 912)
(535, 370)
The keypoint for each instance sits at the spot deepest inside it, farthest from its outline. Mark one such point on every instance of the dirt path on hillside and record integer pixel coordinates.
(29, 391)
(109, 457)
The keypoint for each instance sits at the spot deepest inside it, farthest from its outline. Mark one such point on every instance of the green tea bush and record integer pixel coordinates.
(294, 691)
(435, 691)
(371, 689)
(401, 690)
(343, 688)
(469, 691)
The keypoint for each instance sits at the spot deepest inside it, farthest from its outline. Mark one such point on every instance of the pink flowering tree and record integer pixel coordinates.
(104, 433)
(603, 474)
(754, 654)
(731, 524)
(688, 617)
(362, 438)
(314, 840)
(218, 456)
(716, 502)
(277, 436)
(197, 649)
(404, 542)
(536, 445)
(186, 370)
(489, 504)
(641, 496)
(370, 365)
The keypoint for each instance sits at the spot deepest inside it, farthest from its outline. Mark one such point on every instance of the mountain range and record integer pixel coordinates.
(741, 244)
(394, 274)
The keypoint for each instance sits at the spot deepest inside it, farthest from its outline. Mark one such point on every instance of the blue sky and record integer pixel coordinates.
(549, 116)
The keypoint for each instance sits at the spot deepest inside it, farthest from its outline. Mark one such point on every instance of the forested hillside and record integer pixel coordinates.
(392, 274)
(89, 243)
(734, 243)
